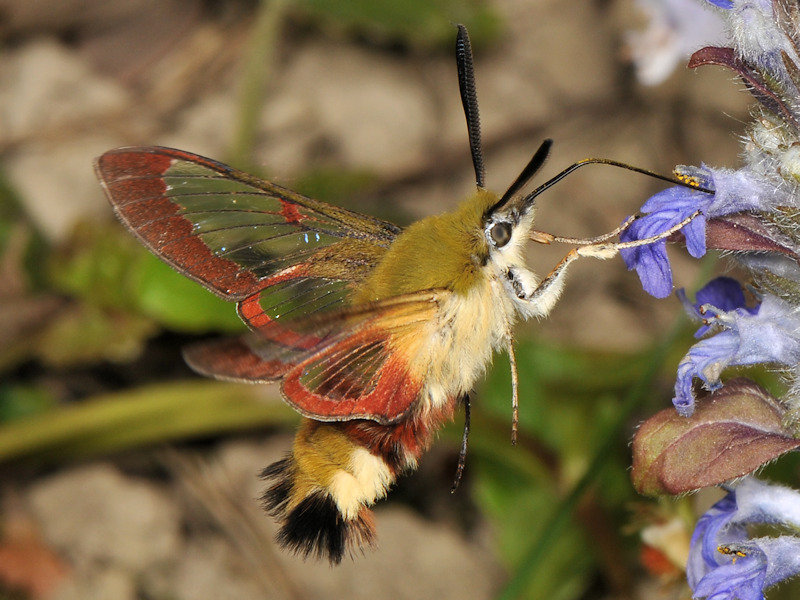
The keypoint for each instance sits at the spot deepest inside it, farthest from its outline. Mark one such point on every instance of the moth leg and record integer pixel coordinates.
(512, 359)
(462, 454)
(538, 298)
(544, 296)
(543, 237)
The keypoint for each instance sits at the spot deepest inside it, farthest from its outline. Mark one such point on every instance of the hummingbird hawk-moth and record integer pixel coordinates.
(376, 333)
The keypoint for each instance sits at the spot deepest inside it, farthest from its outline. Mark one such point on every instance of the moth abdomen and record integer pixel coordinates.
(321, 493)
(314, 525)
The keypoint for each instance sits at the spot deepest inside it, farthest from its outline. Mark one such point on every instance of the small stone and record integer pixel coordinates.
(209, 569)
(372, 108)
(45, 87)
(95, 515)
(57, 183)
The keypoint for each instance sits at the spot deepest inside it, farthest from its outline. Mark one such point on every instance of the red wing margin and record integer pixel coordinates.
(243, 238)
(364, 362)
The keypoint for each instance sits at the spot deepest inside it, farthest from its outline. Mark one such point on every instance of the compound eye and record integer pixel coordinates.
(501, 234)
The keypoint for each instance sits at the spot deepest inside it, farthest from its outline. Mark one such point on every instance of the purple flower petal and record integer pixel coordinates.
(695, 236)
(723, 293)
(716, 527)
(706, 361)
(740, 580)
(652, 266)
(742, 190)
(665, 210)
(750, 565)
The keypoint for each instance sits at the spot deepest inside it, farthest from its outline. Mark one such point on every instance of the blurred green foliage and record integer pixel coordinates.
(149, 414)
(415, 23)
(105, 267)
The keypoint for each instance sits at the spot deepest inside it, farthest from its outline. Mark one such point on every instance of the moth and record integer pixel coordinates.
(376, 333)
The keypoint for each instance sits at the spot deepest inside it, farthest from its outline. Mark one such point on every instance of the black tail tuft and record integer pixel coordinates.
(313, 524)
(276, 497)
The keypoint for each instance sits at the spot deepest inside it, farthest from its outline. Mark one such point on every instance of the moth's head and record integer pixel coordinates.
(508, 220)
(463, 246)
(507, 224)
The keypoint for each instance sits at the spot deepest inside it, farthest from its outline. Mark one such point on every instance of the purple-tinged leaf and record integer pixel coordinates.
(743, 232)
(732, 432)
(713, 55)
(726, 57)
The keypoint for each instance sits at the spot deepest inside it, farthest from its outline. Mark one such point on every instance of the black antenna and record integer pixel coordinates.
(534, 164)
(688, 183)
(469, 98)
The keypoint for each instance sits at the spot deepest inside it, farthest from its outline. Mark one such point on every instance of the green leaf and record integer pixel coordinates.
(107, 267)
(146, 415)
(84, 333)
(567, 569)
(570, 402)
(22, 246)
(179, 303)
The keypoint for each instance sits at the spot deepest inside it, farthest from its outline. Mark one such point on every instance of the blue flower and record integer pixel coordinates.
(724, 563)
(740, 580)
(664, 210)
(734, 191)
(769, 333)
(723, 293)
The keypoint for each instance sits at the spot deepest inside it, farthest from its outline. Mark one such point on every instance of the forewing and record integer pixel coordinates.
(362, 362)
(272, 250)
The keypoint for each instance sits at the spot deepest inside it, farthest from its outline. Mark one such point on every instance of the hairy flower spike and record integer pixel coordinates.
(754, 215)
(759, 35)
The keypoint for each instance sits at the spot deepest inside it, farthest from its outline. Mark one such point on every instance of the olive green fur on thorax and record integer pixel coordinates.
(441, 251)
